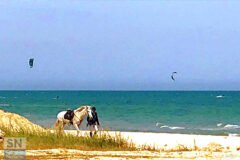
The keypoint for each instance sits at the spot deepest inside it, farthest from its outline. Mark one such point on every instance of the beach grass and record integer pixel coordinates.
(52, 140)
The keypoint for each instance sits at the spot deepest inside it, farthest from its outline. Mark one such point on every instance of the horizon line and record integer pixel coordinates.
(90, 90)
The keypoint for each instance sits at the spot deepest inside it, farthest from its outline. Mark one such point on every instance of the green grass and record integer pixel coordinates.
(48, 140)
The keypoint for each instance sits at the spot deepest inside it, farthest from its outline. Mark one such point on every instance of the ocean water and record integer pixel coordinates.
(196, 112)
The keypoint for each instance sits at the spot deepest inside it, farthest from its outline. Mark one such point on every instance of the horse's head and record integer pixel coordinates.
(84, 110)
(89, 111)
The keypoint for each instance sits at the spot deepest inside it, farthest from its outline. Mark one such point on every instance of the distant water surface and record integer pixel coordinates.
(197, 112)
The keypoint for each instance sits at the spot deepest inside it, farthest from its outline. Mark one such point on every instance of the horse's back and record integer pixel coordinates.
(60, 115)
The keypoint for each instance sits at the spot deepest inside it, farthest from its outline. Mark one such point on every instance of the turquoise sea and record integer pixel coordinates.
(196, 112)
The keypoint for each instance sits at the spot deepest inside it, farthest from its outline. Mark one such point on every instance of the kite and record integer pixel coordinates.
(31, 62)
(173, 76)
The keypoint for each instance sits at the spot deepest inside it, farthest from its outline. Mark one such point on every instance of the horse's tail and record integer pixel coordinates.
(56, 125)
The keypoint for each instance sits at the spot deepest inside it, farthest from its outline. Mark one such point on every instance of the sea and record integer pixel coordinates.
(191, 112)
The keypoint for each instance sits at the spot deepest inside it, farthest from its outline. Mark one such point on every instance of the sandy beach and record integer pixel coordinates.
(126, 155)
(170, 140)
(170, 146)
(166, 146)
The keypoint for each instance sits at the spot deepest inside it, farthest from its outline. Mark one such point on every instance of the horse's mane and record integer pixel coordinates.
(80, 109)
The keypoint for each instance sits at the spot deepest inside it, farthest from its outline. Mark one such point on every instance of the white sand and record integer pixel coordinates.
(169, 140)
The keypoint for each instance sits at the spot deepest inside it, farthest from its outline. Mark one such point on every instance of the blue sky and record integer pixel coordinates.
(120, 45)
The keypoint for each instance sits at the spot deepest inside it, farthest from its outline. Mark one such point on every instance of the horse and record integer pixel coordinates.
(79, 114)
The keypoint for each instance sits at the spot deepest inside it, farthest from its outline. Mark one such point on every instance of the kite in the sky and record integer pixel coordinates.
(31, 62)
(173, 76)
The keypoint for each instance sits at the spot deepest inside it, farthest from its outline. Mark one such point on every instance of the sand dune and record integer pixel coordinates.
(16, 122)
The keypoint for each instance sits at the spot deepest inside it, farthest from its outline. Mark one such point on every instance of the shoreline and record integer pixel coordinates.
(197, 134)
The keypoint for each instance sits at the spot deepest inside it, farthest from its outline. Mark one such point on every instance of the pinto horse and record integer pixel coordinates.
(79, 115)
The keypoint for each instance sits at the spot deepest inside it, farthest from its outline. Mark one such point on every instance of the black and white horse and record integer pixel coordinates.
(78, 117)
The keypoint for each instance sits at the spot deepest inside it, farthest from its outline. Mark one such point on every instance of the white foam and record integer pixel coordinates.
(173, 128)
(210, 129)
(226, 127)
(219, 96)
(176, 127)
(231, 126)
(219, 124)
(164, 126)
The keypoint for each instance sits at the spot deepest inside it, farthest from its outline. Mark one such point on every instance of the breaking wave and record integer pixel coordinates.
(169, 127)
(219, 125)
(231, 126)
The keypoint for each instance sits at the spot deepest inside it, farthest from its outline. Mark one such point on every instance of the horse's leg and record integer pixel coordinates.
(76, 126)
(62, 125)
(54, 127)
(79, 125)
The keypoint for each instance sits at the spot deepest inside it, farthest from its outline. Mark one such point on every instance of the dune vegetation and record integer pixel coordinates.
(52, 140)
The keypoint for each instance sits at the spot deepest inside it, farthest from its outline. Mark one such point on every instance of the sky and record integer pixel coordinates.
(119, 45)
